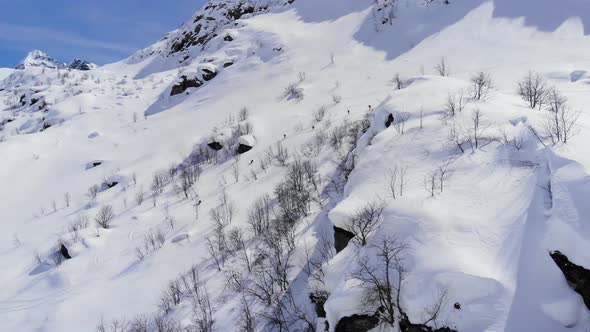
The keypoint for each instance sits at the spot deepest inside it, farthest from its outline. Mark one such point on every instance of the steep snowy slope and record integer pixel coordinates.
(132, 135)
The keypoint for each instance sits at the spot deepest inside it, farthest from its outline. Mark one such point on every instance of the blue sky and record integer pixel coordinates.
(100, 31)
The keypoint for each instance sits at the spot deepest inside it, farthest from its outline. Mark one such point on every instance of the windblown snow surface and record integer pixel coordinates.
(486, 238)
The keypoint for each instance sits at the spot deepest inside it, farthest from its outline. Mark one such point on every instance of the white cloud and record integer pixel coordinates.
(39, 35)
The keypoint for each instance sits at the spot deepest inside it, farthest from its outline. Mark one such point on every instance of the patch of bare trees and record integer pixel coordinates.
(481, 86)
(105, 216)
(364, 221)
(533, 89)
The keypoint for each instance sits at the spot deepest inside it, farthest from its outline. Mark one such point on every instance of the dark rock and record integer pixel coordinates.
(64, 252)
(111, 184)
(406, 326)
(78, 64)
(577, 276)
(341, 238)
(227, 64)
(242, 148)
(357, 323)
(319, 298)
(34, 101)
(209, 74)
(228, 38)
(96, 164)
(185, 84)
(457, 306)
(215, 146)
(389, 120)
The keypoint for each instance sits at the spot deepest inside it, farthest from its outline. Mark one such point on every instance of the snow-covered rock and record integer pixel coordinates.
(39, 59)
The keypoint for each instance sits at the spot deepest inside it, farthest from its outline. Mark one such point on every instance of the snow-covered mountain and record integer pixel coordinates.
(307, 165)
(40, 59)
(81, 65)
(37, 58)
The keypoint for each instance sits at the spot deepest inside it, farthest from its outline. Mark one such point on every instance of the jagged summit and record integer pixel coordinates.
(40, 59)
(37, 58)
(79, 64)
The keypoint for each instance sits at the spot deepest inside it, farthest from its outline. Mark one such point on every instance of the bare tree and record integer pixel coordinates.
(105, 216)
(443, 173)
(400, 122)
(481, 85)
(243, 114)
(93, 191)
(237, 244)
(383, 280)
(479, 126)
(236, 171)
(139, 196)
(441, 68)
(560, 122)
(433, 311)
(398, 82)
(364, 221)
(259, 215)
(431, 183)
(533, 89)
(397, 181)
(455, 104)
(67, 198)
(319, 113)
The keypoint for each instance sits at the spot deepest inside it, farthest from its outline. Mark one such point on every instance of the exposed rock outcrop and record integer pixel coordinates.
(341, 238)
(357, 323)
(577, 276)
(185, 83)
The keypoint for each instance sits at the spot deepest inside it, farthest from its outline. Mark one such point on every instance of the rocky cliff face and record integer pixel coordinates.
(38, 58)
(215, 16)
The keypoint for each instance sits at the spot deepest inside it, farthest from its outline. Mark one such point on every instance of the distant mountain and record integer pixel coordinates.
(39, 58)
(81, 65)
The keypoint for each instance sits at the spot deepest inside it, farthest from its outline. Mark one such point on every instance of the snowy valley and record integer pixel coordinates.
(306, 165)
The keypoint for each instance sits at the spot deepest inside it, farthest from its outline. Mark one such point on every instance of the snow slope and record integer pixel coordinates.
(485, 238)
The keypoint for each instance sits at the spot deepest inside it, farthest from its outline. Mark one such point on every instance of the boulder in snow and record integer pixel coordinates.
(577, 276)
(341, 238)
(183, 83)
(246, 142)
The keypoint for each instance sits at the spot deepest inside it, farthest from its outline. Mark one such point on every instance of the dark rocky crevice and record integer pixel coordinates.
(357, 323)
(341, 238)
(577, 276)
(184, 85)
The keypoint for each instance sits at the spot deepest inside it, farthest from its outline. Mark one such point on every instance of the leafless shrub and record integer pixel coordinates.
(397, 180)
(455, 104)
(301, 76)
(533, 89)
(280, 154)
(93, 191)
(441, 68)
(401, 119)
(259, 215)
(237, 244)
(67, 199)
(139, 196)
(293, 91)
(559, 123)
(171, 297)
(337, 99)
(364, 221)
(243, 114)
(481, 85)
(79, 224)
(398, 82)
(383, 280)
(105, 217)
(516, 141)
(319, 114)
